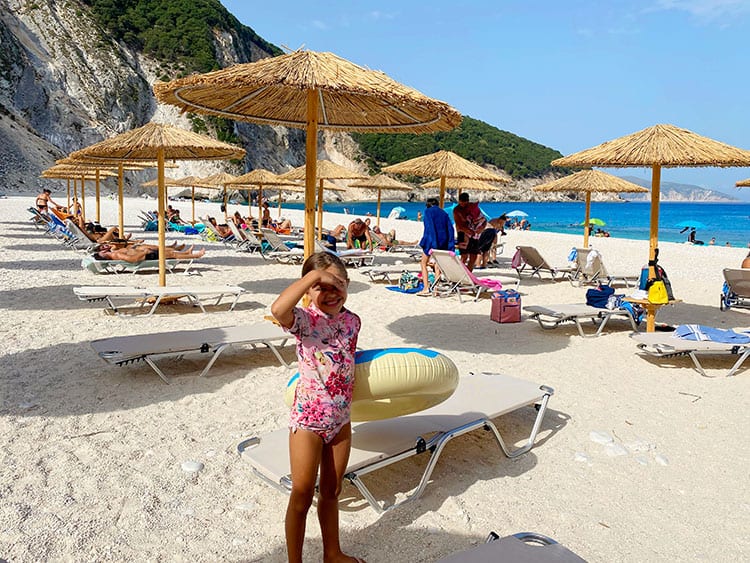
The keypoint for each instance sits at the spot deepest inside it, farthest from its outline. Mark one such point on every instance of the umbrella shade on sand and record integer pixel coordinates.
(258, 178)
(588, 182)
(657, 147)
(324, 170)
(443, 165)
(313, 91)
(381, 182)
(157, 141)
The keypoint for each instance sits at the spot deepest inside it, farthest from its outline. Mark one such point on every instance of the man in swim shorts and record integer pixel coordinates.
(358, 231)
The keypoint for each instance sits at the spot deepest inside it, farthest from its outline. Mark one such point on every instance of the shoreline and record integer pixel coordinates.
(92, 453)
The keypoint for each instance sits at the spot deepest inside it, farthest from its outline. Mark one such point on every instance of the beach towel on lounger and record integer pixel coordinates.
(700, 332)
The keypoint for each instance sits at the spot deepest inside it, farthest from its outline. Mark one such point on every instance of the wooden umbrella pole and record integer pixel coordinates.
(320, 209)
(260, 204)
(378, 213)
(653, 240)
(249, 204)
(68, 181)
(98, 205)
(162, 196)
(279, 204)
(192, 200)
(75, 189)
(311, 162)
(442, 191)
(586, 222)
(120, 202)
(83, 197)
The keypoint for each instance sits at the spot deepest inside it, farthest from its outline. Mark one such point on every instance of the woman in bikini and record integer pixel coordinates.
(43, 200)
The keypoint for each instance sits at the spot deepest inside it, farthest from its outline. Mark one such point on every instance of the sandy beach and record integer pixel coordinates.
(92, 454)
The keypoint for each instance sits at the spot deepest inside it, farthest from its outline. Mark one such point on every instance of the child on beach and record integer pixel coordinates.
(320, 429)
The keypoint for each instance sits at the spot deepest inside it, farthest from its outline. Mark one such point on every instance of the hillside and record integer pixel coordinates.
(672, 191)
(474, 140)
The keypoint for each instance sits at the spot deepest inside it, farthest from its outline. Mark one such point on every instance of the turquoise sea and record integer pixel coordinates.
(728, 222)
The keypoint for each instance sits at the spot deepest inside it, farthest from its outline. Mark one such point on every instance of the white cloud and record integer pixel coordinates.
(318, 24)
(707, 10)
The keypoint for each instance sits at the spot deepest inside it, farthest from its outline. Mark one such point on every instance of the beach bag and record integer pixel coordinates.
(408, 281)
(659, 289)
(599, 296)
(506, 306)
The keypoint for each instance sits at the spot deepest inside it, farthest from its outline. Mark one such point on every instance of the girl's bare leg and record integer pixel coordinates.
(304, 456)
(333, 462)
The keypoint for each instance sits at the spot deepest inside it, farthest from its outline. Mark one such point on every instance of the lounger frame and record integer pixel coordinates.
(432, 443)
(181, 342)
(658, 345)
(153, 296)
(549, 318)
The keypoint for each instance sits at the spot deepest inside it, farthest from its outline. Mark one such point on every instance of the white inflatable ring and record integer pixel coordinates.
(392, 382)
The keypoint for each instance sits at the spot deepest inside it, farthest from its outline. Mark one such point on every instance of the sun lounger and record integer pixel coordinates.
(384, 272)
(667, 345)
(736, 290)
(459, 279)
(524, 547)
(279, 250)
(149, 298)
(552, 316)
(528, 260)
(122, 350)
(590, 269)
(352, 257)
(377, 444)
(121, 266)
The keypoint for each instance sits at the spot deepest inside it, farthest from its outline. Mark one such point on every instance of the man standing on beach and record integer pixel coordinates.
(469, 224)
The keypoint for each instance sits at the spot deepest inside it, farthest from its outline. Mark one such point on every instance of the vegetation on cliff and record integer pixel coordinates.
(474, 140)
(179, 32)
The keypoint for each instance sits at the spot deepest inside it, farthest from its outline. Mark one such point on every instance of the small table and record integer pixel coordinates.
(651, 309)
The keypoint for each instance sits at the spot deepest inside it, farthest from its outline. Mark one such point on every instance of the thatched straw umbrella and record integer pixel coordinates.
(83, 172)
(260, 177)
(443, 165)
(589, 181)
(657, 147)
(159, 141)
(324, 170)
(462, 184)
(381, 182)
(313, 91)
(743, 183)
(61, 174)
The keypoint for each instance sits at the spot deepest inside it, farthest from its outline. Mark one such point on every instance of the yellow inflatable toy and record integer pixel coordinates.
(391, 382)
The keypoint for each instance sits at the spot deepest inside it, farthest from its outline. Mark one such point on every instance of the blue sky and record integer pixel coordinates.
(566, 74)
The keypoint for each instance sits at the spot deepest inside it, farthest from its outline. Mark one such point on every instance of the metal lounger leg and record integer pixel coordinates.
(160, 373)
(435, 445)
(218, 350)
(276, 352)
(739, 362)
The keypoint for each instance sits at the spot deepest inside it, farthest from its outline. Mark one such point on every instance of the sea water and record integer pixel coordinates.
(726, 222)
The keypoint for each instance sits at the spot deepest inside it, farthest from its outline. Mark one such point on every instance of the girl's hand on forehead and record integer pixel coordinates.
(330, 280)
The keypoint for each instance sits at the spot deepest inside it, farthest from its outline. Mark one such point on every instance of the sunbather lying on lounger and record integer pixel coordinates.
(96, 233)
(140, 253)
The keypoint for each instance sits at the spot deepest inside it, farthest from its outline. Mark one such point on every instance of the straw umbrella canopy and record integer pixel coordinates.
(589, 181)
(381, 182)
(313, 91)
(159, 141)
(324, 170)
(657, 147)
(443, 165)
(260, 177)
(743, 183)
(64, 175)
(83, 172)
(461, 184)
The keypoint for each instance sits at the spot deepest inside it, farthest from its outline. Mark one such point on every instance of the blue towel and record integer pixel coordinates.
(700, 332)
(438, 230)
(399, 290)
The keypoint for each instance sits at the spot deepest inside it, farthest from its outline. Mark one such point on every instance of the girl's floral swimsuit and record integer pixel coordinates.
(325, 348)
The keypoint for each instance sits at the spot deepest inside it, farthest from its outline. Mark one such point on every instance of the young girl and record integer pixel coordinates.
(320, 431)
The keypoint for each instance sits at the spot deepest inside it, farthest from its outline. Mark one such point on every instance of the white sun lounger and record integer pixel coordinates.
(666, 345)
(154, 296)
(121, 266)
(122, 350)
(376, 444)
(551, 316)
(384, 272)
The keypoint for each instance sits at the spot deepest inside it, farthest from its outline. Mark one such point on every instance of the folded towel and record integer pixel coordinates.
(700, 332)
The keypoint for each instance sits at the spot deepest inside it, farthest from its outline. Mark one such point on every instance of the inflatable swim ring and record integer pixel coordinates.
(392, 382)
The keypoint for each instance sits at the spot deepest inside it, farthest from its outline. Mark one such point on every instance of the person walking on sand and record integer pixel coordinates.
(469, 224)
(320, 433)
(438, 233)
